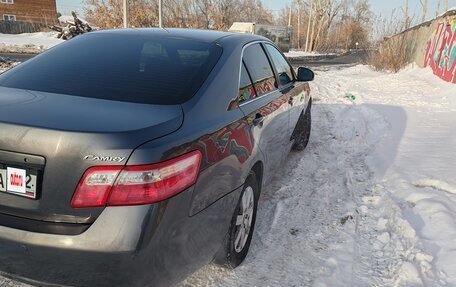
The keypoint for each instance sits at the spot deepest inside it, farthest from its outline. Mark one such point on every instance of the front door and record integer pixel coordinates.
(265, 107)
(296, 92)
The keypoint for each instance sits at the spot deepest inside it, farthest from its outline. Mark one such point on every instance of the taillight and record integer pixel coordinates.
(134, 185)
(94, 187)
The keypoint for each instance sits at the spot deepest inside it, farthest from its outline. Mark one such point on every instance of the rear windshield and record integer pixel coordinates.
(130, 68)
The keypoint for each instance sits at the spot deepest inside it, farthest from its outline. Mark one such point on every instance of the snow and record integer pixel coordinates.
(371, 201)
(444, 12)
(299, 54)
(28, 42)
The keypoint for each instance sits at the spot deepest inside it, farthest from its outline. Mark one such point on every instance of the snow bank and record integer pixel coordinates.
(28, 42)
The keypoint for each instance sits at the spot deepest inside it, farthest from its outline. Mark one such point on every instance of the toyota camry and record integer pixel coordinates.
(134, 157)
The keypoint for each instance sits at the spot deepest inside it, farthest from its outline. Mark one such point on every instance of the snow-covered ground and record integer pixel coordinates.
(28, 42)
(371, 201)
(300, 54)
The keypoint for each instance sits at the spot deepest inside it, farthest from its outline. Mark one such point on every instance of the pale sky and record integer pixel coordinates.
(383, 7)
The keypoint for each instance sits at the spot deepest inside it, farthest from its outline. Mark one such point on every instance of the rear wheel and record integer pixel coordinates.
(242, 225)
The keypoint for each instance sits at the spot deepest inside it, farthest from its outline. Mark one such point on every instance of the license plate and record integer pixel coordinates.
(18, 181)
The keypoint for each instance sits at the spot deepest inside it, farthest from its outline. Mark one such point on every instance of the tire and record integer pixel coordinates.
(303, 128)
(237, 244)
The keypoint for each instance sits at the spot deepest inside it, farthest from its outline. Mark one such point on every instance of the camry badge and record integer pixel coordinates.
(91, 157)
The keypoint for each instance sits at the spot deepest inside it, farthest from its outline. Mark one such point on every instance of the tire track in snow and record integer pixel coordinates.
(436, 184)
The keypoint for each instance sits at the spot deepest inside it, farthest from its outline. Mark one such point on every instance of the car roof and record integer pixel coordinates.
(191, 34)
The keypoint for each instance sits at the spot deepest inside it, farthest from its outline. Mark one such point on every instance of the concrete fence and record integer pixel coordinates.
(432, 45)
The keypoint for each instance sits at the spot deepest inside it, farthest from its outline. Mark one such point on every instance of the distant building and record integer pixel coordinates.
(32, 11)
(281, 35)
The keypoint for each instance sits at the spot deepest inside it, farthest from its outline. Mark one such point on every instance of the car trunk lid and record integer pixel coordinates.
(58, 137)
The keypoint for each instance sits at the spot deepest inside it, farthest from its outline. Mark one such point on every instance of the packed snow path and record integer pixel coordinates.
(371, 201)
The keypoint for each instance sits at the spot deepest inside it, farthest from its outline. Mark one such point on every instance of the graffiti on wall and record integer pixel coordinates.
(441, 51)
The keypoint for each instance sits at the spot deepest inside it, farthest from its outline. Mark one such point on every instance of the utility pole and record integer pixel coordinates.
(125, 14)
(289, 16)
(445, 5)
(308, 26)
(160, 20)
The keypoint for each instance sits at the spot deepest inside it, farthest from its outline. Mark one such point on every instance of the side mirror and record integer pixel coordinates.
(305, 75)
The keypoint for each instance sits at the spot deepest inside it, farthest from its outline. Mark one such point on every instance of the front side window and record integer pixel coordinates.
(260, 70)
(8, 1)
(282, 67)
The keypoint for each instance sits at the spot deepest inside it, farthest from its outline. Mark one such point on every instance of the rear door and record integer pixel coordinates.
(265, 106)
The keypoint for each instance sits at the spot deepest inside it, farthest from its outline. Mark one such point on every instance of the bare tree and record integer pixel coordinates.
(207, 14)
(332, 24)
(254, 11)
(298, 21)
(205, 9)
(438, 9)
(225, 12)
(334, 8)
(390, 53)
(109, 13)
(424, 4)
(406, 15)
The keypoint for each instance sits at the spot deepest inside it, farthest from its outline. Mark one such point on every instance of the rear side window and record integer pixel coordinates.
(246, 90)
(260, 70)
(120, 67)
(282, 67)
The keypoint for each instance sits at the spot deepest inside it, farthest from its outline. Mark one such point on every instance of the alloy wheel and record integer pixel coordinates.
(244, 219)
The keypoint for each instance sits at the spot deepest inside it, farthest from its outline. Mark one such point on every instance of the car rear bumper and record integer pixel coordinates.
(154, 245)
(102, 236)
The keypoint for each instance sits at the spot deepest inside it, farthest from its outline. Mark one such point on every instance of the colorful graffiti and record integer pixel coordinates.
(441, 51)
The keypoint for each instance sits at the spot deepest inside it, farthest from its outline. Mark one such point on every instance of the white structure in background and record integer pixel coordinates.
(281, 35)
